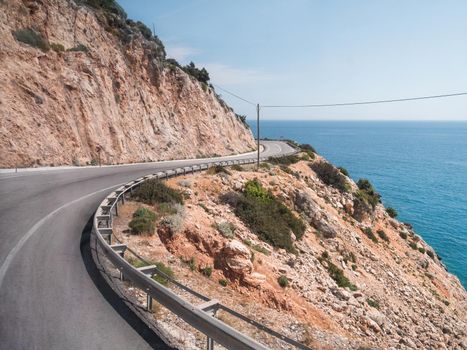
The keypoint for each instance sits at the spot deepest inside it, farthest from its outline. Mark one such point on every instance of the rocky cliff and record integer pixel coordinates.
(353, 277)
(78, 79)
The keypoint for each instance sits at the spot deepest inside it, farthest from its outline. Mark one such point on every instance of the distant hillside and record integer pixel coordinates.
(79, 78)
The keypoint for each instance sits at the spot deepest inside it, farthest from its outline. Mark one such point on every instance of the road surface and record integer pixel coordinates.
(51, 296)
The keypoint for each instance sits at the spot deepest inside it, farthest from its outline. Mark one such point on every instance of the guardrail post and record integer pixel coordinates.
(148, 302)
(116, 208)
(210, 344)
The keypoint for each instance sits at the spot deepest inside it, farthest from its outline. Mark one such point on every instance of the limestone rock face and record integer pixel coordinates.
(62, 107)
(315, 215)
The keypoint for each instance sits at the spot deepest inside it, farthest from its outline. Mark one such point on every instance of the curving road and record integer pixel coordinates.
(51, 295)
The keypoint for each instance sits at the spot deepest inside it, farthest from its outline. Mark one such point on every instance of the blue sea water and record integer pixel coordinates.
(420, 168)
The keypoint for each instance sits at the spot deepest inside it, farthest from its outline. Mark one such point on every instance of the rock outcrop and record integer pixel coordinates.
(92, 85)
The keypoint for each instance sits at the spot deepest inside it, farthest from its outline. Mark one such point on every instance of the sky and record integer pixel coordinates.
(320, 52)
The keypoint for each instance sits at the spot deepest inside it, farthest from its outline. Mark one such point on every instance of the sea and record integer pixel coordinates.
(419, 168)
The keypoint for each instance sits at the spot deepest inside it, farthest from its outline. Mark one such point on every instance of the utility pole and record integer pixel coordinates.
(257, 132)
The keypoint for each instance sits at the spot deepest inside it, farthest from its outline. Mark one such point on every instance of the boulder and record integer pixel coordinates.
(235, 257)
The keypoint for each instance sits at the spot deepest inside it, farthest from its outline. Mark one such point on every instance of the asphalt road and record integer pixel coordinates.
(51, 296)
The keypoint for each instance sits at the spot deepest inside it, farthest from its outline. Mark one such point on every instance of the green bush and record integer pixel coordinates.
(368, 193)
(343, 171)
(413, 245)
(166, 209)
(155, 191)
(421, 250)
(223, 282)
(201, 75)
(373, 303)
(57, 47)
(284, 160)
(261, 249)
(383, 235)
(309, 150)
(110, 6)
(336, 273)
(32, 38)
(331, 176)
(283, 281)
(192, 264)
(391, 212)
(369, 233)
(430, 254)
(143, 221)
(237, 167)
(269, 218)
(165, 270)
(79, 48)
(207, 271)
(217, 169)
(403, 235)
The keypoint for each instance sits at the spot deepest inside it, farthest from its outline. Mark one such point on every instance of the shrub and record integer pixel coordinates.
(430, 254)
(207, 271)
(166, 209)
(143, 221)
(79, 48)
(331, 176)
(226, 228)
(284, 160)
(237, 167)
(413, 245)
(283, 281)
(338, 276)
(269, 218)
(373, 303)
(217, 169)
(336, 273)
(166, 270)
(192, 264)
(391, 212)
(110, 6)
(403, 235)
(201, 75)
(343, 171)
(369, 233)
(307, 148)
(247, 242)
(57, 47)
(155, 191)
(32, 38)
(383, 235)
(421, 250)
(223, 282)
(367, 193)
(354, 267)
(261, 249)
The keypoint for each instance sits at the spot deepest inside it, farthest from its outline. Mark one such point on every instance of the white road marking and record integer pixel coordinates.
(11, 255)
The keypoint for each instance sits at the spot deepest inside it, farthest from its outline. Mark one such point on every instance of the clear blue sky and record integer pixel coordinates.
(306, 52)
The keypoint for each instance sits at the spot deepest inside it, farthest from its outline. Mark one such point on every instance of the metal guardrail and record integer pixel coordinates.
(201, 316)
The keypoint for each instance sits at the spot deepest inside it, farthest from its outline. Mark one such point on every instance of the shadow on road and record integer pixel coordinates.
(112, 297)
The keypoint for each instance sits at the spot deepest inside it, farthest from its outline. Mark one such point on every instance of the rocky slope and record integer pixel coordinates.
(77, 80)
(396, 293)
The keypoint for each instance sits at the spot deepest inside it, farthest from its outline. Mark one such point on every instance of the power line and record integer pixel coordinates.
(367, 102)
(234, 95)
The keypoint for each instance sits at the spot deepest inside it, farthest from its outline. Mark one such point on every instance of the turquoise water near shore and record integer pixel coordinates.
(420, 168)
